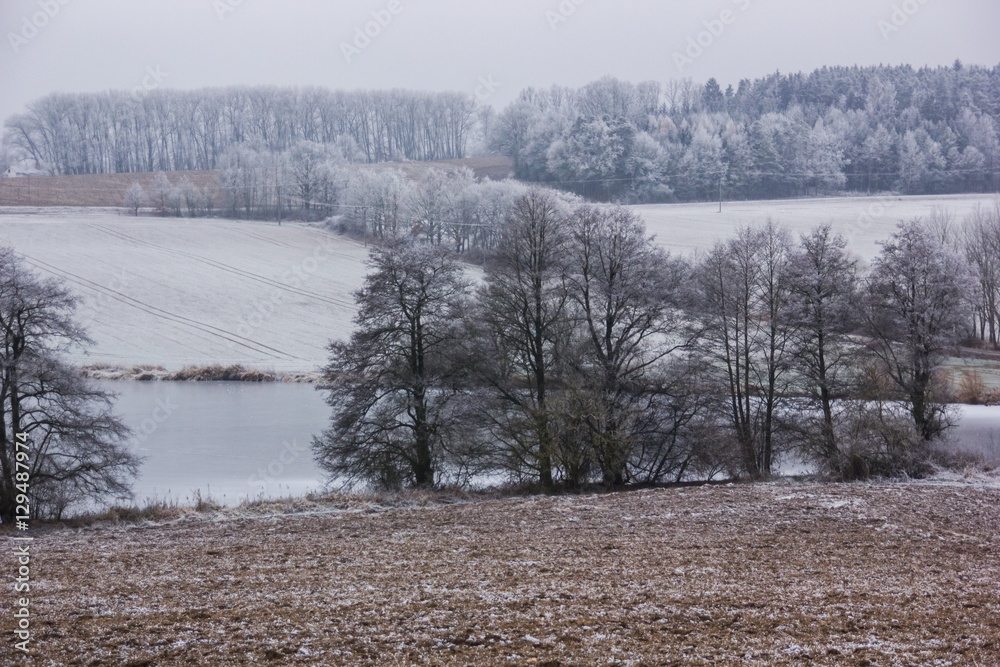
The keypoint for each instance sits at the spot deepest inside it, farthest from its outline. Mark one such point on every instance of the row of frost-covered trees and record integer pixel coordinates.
(168, 130)
(917, 131)
(587, 354)
(312, 181)
(836, 129)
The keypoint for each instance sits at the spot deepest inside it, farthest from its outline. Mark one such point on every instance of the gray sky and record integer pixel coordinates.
(490, 47)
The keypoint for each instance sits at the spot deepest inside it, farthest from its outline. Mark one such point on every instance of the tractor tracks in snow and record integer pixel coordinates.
(174, 318)
(309, 294)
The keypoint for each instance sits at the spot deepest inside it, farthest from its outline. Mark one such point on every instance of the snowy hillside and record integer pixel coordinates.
(176, 292)
(863, 221)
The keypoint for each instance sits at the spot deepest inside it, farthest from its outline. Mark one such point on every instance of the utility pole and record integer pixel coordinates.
(720, 192)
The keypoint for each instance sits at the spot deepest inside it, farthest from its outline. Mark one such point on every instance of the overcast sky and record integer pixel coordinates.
(492, 48)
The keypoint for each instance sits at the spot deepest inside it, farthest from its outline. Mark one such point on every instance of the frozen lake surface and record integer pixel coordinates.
(240, 440)
(232, 440)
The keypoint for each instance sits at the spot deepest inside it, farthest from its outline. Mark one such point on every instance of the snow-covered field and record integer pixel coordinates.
(781, 574)
(179, 292)
(863, 221)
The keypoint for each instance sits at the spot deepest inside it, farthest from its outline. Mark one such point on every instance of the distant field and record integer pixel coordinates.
(782, 574)
(91, 189)
(863, 221)
(180, 291)
(190, 291)
(109, 189)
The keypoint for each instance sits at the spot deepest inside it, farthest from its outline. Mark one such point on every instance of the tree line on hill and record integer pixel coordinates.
(839, 129)
(586, 354)
(836, 129)
(313, 182)
(173, 130)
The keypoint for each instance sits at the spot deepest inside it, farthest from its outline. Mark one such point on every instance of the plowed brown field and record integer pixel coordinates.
(770, 574)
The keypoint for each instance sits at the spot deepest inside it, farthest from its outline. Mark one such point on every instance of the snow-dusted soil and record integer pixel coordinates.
(177, 292)
(772, 574)
(863, 221)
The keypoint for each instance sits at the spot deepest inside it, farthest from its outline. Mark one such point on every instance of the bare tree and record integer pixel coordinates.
(740, 297)
(621, 286)
(7, 158)
(916, 310)
(822, 281)
(59, 441)
(980, 238)
(392, 385)
(522, 311)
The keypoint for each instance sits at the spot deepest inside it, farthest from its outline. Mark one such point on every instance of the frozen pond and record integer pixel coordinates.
(240, 440)
(233, 440)
(978, 430)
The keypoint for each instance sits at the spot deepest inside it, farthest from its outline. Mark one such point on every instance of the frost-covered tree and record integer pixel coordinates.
(134, 197)
(702, 166)
(980, 238)
(313, 169)
(823, 295)
(436, 205)
(377, 203)
(161, 194)
(878, 157)
(621, 288)
(738, 303)
(116, 131)
(821, 162)
(603, 157)
(921, 161)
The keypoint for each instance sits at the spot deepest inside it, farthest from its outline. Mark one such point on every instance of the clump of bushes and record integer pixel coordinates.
(153, 510)
(234, 373)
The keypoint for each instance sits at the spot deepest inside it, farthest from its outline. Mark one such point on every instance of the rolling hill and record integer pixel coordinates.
(180, 291)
